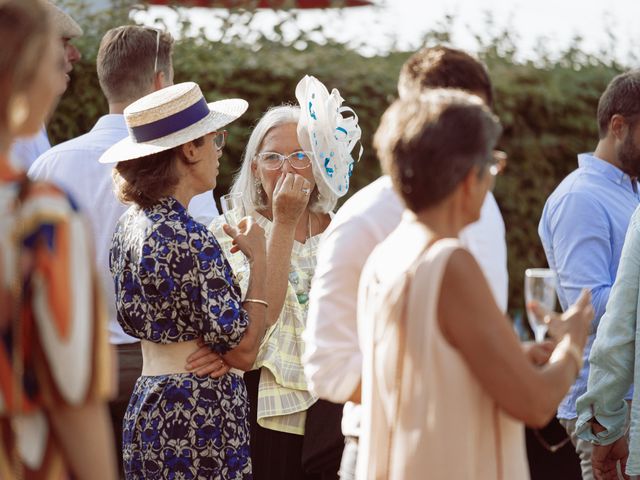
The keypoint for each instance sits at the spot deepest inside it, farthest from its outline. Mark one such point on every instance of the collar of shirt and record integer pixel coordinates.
(590, 162)
(167, 205)
(111, 121)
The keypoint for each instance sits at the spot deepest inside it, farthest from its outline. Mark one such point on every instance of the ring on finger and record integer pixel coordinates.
(306, 191)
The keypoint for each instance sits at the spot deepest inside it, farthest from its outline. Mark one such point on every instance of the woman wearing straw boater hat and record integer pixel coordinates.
(175, 291)
(296, 165)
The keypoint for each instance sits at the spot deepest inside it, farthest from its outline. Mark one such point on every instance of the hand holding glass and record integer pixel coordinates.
(233, 208)
(539, 286)
(234, 211)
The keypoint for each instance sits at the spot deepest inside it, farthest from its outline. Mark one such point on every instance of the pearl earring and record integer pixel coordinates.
(258, 186)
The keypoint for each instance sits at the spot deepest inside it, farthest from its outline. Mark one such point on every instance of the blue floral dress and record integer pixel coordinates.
(174, 284)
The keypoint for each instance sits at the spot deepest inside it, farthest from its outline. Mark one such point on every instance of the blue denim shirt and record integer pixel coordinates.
(582, 229)
(614, 362)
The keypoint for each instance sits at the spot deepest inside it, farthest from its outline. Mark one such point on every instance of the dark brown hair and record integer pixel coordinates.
(24, 29)
(622, 97)
(145, 180)
(444, 67)
(126, 61)
(429, 143)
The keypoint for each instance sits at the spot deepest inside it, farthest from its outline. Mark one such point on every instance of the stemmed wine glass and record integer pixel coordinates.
(233, 210)
(539, 285)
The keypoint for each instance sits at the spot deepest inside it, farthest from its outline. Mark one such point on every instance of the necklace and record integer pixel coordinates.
(299, 278)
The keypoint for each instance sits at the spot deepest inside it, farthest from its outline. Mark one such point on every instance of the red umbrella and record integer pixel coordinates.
(275, 4)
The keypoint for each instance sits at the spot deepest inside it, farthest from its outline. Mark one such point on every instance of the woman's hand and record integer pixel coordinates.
(204, 362)
(248, 238)
(575, 322)
(538, 353)
(290, 198)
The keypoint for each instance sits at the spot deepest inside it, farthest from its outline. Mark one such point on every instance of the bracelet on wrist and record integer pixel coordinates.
(256, 300)
(568, 349)
(573, 351)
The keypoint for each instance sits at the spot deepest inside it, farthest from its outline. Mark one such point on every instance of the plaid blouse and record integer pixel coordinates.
(283, 396)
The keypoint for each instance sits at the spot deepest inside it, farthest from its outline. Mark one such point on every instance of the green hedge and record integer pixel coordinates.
(547, 108)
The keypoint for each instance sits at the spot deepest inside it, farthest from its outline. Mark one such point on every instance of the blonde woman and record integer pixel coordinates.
(54, 360)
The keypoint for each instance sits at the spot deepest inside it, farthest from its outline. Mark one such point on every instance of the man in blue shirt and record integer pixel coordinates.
(585, 220)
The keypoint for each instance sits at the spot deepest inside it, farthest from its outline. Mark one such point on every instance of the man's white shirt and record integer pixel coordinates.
(332, 358)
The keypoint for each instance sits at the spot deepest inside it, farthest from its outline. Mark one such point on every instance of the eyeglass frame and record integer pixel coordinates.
(283, 157)
(224, 134)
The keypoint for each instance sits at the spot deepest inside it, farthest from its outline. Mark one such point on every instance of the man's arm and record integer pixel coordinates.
(613, 354)
(580, 238)
(332, 358)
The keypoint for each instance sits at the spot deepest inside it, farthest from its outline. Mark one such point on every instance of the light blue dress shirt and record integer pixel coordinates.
(24, 151)
(614, 363)
(582, 229)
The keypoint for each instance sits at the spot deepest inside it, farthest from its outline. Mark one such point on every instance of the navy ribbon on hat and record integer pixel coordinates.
(171, 124)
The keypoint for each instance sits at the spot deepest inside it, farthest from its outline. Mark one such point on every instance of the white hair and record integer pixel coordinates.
(322, 199)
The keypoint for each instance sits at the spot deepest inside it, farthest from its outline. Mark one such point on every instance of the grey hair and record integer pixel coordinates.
(322, 200)
(429, 143)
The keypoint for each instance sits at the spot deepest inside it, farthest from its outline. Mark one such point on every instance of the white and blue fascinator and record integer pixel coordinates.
(330, 131)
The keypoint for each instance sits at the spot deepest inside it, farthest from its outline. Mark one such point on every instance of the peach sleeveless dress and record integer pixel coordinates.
(425, 414)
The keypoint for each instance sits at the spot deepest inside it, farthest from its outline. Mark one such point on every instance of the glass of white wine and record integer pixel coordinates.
(539, 285)
(233, 208)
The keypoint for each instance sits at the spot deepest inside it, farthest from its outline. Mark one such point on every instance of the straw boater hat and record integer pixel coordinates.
(66, 26)
(171, 117)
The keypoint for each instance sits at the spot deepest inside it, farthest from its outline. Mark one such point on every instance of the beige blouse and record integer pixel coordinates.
(425, 414)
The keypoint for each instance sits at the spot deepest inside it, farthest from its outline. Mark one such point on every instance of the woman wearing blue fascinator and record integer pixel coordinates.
(297, 164)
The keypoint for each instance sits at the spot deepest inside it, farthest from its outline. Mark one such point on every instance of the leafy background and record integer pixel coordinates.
(547, 105)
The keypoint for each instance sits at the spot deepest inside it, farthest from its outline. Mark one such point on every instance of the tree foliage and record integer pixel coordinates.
(547, 105)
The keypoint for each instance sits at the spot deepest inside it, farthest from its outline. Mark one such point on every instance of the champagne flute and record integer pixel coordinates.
(539, 285)
(233, 208)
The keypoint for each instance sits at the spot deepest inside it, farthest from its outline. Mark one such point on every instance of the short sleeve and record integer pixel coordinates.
(224, 321)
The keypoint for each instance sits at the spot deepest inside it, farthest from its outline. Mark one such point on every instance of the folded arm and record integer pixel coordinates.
(613, 353)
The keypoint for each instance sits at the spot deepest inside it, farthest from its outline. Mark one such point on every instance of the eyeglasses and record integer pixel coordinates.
(274, 161)
(497, 163)
(220, 139)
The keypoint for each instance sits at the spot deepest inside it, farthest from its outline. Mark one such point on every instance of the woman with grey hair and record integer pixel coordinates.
(296, 165)
(322, 200)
